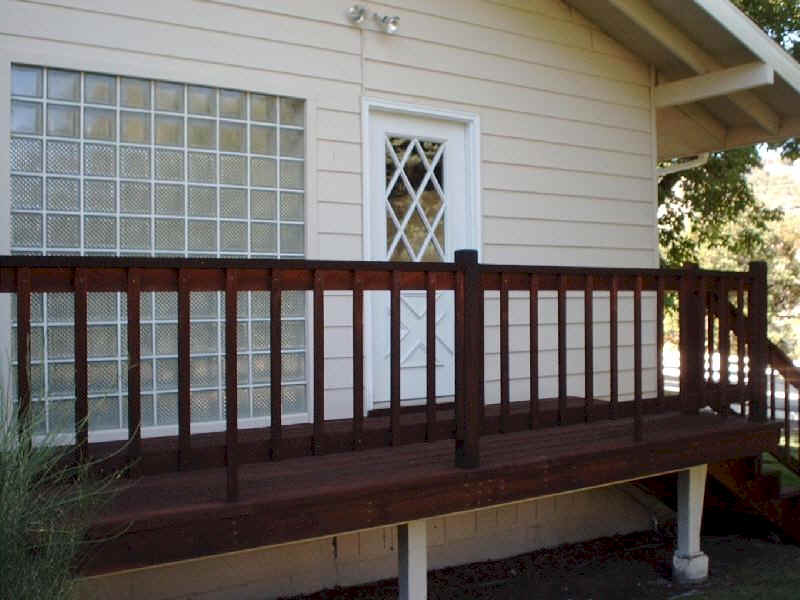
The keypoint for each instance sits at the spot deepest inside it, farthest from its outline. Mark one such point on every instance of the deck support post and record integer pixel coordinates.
(412, 558)
(689, 563)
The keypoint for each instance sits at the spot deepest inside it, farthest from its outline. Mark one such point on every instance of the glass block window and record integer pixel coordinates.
(110, 165)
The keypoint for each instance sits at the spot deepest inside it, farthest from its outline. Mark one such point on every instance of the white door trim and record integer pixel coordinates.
(472, 201)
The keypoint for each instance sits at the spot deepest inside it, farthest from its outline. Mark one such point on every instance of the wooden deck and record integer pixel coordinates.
(196, 494)
(180, 515)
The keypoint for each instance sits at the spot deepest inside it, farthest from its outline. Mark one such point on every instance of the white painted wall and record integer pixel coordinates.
(566, 143)
(567, 139)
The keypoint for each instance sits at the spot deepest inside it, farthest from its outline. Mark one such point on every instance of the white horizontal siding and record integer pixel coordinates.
(568, 256)
(417, 81)
(225, 17)
(518, 232)
(516, 151)
(479, 65)
(565, 126)
(569, 209)
(137, 35)
(564, 181)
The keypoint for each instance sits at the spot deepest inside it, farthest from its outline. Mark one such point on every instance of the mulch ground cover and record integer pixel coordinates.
(748, 561)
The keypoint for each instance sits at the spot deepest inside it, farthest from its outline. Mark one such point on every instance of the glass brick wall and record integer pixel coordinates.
(109, 165)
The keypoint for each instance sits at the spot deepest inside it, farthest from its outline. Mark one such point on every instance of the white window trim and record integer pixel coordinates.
(474, 234)
(148, 66)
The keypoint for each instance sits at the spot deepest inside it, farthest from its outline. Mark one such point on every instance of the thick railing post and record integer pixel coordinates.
(757, 334)
(468, 438)
(692, 339)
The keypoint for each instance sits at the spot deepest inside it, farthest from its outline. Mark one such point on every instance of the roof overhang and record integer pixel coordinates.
(721, 81)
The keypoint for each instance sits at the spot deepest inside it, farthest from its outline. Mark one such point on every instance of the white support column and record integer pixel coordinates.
(689, 563)
(412, 556)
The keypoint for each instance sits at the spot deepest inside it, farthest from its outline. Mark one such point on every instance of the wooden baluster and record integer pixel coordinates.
(319, 363)
(588, 348)
(740, 347)
(702, 395)
(757, 339)
(562, 349)
(81, 367)
(358, 360)
(184, 383)
(787, 423)
(231, 380)
(394, 359)
(430, 359)
(660, 341)
(533, 416)
(772, 391)
(275, 366)
(710, 324)
(482, 355)
(637, 360)
(458, 359)
(505, 406)
(724, 344)
(134, 303)
(24, 353)
(469, 302)
(613, 347)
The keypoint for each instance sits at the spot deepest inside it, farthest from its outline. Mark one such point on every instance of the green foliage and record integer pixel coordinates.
(711, 214)
(699, 209)
(712, 206)
(45, 509)
(781, 251)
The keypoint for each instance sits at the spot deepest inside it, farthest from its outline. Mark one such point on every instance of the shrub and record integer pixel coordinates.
(46, 504)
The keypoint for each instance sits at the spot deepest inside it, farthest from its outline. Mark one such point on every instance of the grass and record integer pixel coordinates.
(46, 504)
(770, 464)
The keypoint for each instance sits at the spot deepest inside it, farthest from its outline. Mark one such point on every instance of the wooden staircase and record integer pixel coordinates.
(766, 491)
(769, 484)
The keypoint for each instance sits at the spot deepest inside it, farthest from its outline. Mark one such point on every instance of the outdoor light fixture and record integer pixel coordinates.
(389, 24)
(357, 15)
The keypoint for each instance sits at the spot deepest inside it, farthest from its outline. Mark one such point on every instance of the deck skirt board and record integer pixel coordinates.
(181, 515)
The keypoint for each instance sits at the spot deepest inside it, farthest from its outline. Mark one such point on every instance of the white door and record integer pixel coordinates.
(417, 213)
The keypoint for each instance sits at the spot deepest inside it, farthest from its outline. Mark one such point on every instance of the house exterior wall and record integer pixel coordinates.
(567, 143)
(371, 554)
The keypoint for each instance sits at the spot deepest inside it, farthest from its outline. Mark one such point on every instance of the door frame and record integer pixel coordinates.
(472, 201)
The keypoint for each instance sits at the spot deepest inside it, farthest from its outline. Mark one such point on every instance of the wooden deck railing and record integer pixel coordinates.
(778, 376)
(465, 277)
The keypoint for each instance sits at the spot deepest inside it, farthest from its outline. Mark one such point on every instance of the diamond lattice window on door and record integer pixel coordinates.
(415, 200)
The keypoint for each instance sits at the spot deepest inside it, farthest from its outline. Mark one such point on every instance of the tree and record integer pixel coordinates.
(713, 206)
(781, 251)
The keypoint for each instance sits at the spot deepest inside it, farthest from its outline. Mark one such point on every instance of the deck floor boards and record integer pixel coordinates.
(178, 515)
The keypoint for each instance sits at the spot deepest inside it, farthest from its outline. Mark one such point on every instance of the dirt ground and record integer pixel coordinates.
(748, 561)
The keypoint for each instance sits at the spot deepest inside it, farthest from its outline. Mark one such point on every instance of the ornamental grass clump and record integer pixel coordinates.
(46, 505)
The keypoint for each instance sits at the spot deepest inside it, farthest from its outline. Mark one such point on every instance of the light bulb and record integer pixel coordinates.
(389, 24)
(356, 14)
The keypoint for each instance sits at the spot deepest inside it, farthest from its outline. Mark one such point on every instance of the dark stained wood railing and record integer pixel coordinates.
(471, 414)
(763, 370)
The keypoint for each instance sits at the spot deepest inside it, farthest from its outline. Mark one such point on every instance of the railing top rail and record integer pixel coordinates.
(55, 261)
(145, 262)
(607, 272)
